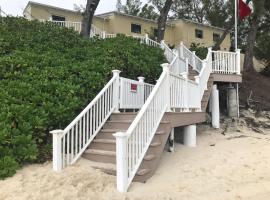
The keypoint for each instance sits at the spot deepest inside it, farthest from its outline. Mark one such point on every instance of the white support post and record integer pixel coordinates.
(181, 51)
(57, 149)
(103, 35)
(190, 136)
(193, 60)
(121, 161)
(116, 95)
(187, 66)
(162, 44)
(171, 141)
(185, 76)
(147, 39)
(165, 67)
(141, 80)
(215, 107)
(210, 59)
(238, 61)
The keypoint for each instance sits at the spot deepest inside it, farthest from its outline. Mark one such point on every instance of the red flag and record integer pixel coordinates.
(244, 10)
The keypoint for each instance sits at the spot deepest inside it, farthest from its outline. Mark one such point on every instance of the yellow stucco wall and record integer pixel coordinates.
(185, 31)
(45, 13)
(177, 31)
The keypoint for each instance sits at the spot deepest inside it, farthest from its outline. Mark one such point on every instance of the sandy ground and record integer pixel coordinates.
(231, 166)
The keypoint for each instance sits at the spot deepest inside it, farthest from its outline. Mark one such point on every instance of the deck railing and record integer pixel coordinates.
(132, 145)
(226, 62)
(193, 60)
(70, 143)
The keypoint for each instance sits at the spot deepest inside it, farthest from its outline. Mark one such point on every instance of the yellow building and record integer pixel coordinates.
(114, 22)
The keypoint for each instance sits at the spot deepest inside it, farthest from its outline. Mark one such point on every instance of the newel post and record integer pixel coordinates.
(162, 44)
(238, 61)
(165, 67)
(209, 62)
(193, 60)
(103, 34)
(116, 89)
(121, 161)
(147, 39)
(181, 51)
(57, 148)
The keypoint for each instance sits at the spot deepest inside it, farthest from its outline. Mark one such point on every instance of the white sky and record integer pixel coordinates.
(15, 7)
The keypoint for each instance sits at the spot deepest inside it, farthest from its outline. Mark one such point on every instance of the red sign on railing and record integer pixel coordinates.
(133, 87)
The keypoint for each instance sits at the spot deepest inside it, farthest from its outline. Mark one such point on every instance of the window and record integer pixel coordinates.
(135, 28)
(58, 18)
(155, 32)
(198, 33)
(216, 37)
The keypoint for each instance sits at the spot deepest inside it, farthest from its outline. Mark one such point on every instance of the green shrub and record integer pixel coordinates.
(48, 74)
(201, 51)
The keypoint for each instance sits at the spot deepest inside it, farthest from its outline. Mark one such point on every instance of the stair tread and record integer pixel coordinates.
(142, 172)
(108, 141)
(112, 167)
(155, 144)
(113, 141)
(160, 132)
(125, 113)
(111, 130)
(100, 152)
(149, 157)
(120, 121)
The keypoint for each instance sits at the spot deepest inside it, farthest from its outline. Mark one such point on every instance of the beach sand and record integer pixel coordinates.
(232, 166)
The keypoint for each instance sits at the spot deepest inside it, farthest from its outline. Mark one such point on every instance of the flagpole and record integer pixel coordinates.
(236, 21)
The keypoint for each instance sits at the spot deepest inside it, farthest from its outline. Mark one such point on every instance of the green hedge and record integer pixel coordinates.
(48, 74)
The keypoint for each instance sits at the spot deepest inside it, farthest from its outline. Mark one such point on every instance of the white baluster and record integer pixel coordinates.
(238, 61)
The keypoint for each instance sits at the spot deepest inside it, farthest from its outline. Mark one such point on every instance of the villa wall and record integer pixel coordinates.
(176, 31)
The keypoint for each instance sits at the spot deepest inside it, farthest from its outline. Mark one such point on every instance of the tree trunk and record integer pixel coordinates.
(223, 36)
(248, 61)
(88, 15)
(163, 19)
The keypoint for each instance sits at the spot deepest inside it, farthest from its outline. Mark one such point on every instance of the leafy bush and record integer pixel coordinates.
(201, 51)
(48, 74)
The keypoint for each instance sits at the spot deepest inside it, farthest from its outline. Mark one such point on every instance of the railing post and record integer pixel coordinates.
(141, 80)
(193, 60)
(147, 39)
(181, 50)
(57, 148)
(238, 61)
(165, 67)
(187, 66)
(162, 44)
(186, 108)
(121, 161)
(103, 34)
(209, 62)
(116, 73)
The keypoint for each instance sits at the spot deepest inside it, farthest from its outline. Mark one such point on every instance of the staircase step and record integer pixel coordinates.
(98, 155)
(123, 116)
(160, 132)
(117, 124)
(155, 144)
(142, 172)
(149, 157)
(111, 168)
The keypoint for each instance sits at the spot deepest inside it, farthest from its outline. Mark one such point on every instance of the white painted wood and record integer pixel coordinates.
(215, 107)
(57, 150)
(189, 138)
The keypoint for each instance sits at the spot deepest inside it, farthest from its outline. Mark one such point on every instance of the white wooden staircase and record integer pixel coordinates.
(130, 144)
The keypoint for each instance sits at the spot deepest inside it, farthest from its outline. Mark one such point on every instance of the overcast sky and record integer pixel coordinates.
(15, 7)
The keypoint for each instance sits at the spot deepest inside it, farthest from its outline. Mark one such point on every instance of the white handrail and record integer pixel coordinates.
(70, 143)
(130, 150)
(194, 60)
(226, 62)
